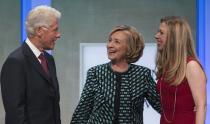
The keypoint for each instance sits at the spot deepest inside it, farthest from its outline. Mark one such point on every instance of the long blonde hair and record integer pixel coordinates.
(171, 61)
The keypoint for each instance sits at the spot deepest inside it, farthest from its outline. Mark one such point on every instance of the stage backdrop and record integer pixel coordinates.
(92, 54)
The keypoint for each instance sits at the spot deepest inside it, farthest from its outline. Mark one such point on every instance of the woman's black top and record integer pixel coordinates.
(109, 97)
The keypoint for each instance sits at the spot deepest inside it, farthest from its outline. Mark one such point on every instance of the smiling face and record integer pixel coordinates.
(49, 35)
(161, 35)
(117, 46)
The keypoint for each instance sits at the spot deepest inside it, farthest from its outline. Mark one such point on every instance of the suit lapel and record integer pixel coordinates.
(51, 69)
(34, 61)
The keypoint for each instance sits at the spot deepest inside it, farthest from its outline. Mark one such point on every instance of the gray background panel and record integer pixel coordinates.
(87, 21)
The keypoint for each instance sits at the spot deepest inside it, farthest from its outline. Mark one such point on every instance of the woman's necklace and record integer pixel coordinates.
(174, 106)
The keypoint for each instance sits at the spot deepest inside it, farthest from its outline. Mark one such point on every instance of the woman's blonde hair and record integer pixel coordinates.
(135, 42)
(171, 61)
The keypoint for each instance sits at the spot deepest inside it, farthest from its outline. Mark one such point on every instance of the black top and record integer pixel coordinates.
(98, 99)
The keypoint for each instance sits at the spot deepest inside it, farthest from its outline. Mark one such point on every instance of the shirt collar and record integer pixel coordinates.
(34, 49)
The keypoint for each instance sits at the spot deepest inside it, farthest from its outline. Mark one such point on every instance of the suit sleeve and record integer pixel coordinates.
(151, 94)
(85, 106)
(13, 91)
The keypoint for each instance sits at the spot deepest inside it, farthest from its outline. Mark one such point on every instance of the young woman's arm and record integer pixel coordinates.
(197, 82)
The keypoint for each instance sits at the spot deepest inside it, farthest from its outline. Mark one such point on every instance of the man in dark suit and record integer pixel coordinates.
(29, 83)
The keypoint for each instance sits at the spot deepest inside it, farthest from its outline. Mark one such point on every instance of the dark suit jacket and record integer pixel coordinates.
(29, 95)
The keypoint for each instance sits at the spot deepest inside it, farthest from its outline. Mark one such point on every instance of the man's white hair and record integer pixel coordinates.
(40, 16)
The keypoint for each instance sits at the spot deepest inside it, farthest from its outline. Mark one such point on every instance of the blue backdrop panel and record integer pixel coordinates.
(203, 43)
(207, 56)
(26, 6)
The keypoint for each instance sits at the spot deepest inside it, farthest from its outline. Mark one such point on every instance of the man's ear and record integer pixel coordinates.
(39, 31)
